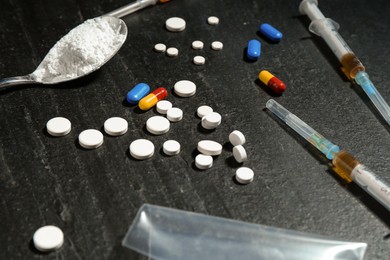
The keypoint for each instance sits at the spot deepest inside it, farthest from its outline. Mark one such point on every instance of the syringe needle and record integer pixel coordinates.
(304, 130)
(364, 81)
(344, 164)
(354, 69)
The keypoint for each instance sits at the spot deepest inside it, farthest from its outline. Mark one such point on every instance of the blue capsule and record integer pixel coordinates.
(270, 32)
(254, 49)
(137, 93)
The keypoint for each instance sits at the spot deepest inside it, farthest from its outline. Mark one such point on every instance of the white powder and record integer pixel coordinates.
(82, 50)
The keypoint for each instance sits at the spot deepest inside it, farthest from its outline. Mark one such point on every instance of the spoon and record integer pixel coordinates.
(83, 50)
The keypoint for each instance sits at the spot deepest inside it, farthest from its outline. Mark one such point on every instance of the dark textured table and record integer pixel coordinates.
(93, 195)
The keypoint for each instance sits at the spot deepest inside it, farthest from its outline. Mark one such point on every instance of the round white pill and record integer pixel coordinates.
(160, 47)
(185, 88)
(199, 60)
(211, 120)
(239, 153)
(141, 149)
(157, 125)
(171, 147)
(172, 52)
(175, 24)
(175, 114)
(208, 147)
(58, 126)
(90, 139)
(48, 238)
(163, 106)
(205, 125)
(203, 162)
(237, 138)
(213, 20)
(244, 175)
(217, 46)
(203, 110)
(197, 45)
(115, 126)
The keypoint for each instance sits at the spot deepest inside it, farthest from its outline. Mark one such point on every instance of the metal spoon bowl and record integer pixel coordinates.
(66, 62)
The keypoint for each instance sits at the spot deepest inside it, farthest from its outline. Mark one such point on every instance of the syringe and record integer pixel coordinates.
(343, 164)
(133, 7)
(352, 67)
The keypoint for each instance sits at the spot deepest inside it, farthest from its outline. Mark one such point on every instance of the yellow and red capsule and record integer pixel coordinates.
(151, 100)
(272, 82)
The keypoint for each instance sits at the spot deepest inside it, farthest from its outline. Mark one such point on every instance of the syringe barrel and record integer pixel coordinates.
(343, 164)
(131, 8)
(350, 169)
(303, 129)
(327, 29)
(309, 7)
(367, 180)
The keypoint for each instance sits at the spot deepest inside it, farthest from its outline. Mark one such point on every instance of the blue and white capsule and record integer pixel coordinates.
(254, 50)
(137, 93)
(270, 32)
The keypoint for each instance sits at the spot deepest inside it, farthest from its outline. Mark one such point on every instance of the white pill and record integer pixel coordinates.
(208, 147)
(213, 20)
(163, 106)
(217, 46)
(244, 175)
(239, 153)
(157, 125)
(203, 110)
(171, 147)
(205, 125)
(48, 238)
(160, 47)
(211, 120)
(175, 114)
(141, 149)
(172, 52)
(115, 126)
(203, 162)
(90, 139)
(199, 60)
(185, 88)
(58, 126)
(197, 45)
(237, 138)
(175, 24)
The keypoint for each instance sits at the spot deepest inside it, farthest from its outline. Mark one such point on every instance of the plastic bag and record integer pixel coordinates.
(164, 233)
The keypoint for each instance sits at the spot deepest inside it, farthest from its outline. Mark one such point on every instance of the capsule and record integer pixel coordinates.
(135, 94)
(151, 100)
(270, 32)
(272, 82)
(254, 49)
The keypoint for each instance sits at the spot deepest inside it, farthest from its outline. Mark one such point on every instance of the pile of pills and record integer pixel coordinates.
(244, 175)
(177, 24)
(90, 138)
(253, 52)
(50, 238)
(142, 149)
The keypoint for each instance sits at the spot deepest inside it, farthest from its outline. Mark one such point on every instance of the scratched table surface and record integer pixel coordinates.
(93, 195)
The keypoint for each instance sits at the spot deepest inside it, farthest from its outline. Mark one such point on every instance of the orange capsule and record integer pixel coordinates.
(151, 100)
(272, 82)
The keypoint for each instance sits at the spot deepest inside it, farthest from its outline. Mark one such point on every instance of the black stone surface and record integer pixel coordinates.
(93, 195)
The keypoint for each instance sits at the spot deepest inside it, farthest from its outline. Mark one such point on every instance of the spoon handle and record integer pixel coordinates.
(19, 80)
